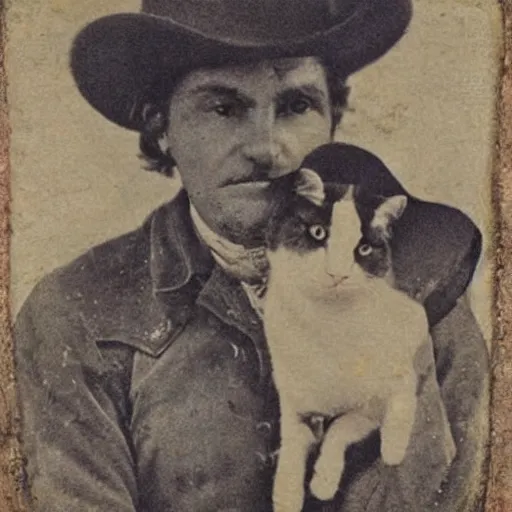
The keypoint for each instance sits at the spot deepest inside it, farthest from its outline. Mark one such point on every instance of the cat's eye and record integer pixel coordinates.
(365, 249)
(318, 232)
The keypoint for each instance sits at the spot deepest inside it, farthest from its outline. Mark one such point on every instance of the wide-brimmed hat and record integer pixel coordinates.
(116, 59)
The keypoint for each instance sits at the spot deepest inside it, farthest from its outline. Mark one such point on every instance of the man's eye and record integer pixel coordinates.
(318, 232)
(299, 106)
(225, 110)
(294, 106)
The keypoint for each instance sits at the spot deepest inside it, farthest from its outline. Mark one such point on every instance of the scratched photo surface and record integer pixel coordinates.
(251, 262)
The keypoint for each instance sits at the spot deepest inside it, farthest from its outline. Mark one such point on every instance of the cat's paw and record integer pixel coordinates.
(287, 503)
(393, 455)
(324, 486)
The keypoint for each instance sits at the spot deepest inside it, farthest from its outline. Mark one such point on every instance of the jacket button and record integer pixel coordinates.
(199, 478)
(267, 460)
(264, 428)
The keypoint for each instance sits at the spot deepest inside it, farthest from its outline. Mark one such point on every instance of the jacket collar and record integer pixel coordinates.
(183, 271)
(148, 309)
(176, 253)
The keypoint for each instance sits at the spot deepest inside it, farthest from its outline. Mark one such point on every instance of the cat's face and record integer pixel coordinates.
(330, 239)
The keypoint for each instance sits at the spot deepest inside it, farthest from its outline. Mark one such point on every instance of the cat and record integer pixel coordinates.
(343, 340)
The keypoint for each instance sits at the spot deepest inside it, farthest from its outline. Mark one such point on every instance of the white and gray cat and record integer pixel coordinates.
(344, 342)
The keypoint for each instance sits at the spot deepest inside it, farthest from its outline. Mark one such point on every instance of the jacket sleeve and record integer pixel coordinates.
(78, 457)
(463, 372)
(424, 481)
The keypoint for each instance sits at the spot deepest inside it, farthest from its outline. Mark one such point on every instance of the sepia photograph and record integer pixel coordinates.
(252, 253)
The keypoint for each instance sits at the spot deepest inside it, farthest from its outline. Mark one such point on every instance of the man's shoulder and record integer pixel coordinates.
(105, 266)
(98, 278)
(105, 295)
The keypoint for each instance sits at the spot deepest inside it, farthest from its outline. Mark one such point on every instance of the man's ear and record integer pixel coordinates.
(389, 211)
(308, 184)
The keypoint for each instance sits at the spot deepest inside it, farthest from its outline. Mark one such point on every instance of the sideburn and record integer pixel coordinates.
(156, 124)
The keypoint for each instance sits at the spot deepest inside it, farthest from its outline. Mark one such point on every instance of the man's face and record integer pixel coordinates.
(232, 130)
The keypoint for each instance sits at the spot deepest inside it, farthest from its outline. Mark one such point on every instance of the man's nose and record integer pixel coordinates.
(263, 149)
(263, 153)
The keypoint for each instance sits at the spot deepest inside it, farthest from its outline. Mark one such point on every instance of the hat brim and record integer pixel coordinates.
(117, 58)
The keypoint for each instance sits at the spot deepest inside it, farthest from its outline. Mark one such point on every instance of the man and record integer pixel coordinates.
(144, 377)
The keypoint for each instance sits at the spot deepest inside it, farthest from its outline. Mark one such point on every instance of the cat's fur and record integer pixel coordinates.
(343, 341)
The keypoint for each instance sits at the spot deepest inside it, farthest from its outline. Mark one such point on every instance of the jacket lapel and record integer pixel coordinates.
(224, 296)
(147, 284)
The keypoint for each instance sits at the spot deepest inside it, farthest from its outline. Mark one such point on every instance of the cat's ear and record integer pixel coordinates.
(388, 211)
(309, 185)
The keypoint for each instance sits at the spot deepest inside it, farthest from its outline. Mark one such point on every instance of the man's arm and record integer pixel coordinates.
(463, 373)
(77, 455)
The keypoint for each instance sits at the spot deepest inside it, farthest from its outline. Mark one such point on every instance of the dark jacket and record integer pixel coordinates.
(145, 383)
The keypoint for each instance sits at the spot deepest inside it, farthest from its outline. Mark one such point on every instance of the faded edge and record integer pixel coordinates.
(11, 467)
(499, 483)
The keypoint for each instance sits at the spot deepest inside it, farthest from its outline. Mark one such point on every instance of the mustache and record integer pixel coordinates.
(259, 174)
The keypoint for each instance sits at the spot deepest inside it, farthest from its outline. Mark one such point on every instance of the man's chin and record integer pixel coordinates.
(244, 213)
(245, 230)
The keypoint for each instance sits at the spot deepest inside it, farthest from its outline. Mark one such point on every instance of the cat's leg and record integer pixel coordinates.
(398, 424)
(344, 431)
(296, 441)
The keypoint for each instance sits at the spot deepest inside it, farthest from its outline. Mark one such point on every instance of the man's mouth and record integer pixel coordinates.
(257, 179)
(247, 182)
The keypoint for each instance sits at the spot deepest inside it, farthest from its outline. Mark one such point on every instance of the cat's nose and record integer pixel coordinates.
(338, 271)
(338, 279)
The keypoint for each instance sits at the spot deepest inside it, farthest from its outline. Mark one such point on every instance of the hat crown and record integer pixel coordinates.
(255, 21)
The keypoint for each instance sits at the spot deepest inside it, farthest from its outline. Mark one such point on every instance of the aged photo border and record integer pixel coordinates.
(498, 486)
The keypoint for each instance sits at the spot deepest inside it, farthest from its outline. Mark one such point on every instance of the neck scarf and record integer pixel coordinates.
(250, 266)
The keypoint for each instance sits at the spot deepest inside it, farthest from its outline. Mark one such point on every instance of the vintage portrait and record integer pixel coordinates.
(252, 253)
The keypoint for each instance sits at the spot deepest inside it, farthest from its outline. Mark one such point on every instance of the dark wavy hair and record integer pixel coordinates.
(154, 109)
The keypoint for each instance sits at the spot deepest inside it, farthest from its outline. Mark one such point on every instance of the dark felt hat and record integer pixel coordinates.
(116, 59)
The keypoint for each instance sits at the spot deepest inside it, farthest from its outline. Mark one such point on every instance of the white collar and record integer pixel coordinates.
(248, 265)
